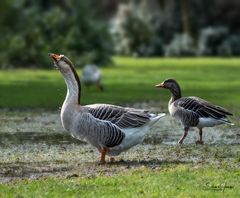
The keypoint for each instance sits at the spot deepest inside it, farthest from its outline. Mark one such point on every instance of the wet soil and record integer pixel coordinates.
(33, 144)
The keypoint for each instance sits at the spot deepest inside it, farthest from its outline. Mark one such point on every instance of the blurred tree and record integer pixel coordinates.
(166, 21)
(30, 29)
(133, 31)
(226, 13)
(181, 45)
(211, 41)
(161, 3)
(185, 6)
(230, 46)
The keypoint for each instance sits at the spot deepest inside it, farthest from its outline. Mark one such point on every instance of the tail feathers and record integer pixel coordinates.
(161, 115)
(227, 122)
(155, 118)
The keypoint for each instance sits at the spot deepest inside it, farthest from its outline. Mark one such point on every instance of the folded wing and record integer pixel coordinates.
(202, 108)
(121, 117)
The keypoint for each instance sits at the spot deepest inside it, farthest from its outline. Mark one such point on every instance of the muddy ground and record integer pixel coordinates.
(33, 144)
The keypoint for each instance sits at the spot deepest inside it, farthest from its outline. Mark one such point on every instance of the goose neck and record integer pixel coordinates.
(176, 93)
(73, 87)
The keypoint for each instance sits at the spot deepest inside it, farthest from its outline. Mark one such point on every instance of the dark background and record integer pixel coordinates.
(93, 31)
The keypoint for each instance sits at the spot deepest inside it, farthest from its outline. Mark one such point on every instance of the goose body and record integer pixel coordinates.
(193, 111)
(111, 129)
(107, 126)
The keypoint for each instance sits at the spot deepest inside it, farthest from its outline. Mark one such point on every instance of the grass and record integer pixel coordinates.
(131, 80)
(177, 181)
(128, 81)
(147, 171)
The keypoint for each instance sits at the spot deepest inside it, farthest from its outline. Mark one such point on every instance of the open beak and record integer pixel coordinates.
(160, 85)
(55, 57)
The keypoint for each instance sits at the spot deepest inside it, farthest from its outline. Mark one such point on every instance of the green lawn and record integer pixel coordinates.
(132, 80)
(177, 181)
(128, 81)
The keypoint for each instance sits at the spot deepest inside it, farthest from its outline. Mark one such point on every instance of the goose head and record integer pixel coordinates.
(69, 73)
(172, 85)
(168, 84)
(61, 62)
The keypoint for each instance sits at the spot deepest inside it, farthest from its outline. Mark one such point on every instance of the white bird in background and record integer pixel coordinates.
(91, 75)
(193, 111)
(112, 129)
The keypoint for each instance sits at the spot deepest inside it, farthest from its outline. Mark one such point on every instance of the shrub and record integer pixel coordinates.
(29, 32)
(133, 33)
(230, 46)
(181, 45)
(211, 39)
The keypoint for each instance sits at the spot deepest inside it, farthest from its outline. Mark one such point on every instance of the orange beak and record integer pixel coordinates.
(55, 57)
(160, 85)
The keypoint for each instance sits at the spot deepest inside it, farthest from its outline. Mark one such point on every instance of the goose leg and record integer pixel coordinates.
(200, 141)
(103, 152)
(99, 86)
(112, 159)
(184, 135)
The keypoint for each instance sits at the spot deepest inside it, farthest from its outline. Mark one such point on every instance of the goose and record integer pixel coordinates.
(193, 111)
(92, 76)
(111, 129)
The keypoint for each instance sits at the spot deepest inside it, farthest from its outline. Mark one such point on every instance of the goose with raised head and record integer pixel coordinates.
(193, 111)
(111, 129)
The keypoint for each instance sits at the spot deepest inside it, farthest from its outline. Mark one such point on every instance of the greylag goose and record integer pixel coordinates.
(112, 129)
(91, 75)
(193, 111)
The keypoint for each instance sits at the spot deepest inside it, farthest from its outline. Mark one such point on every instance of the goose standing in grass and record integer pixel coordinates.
(111, 129)
(91, 75)
(193, 111)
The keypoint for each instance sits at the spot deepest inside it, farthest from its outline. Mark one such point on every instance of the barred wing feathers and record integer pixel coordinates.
(111, 135)
(121, 117)
(202, 108)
